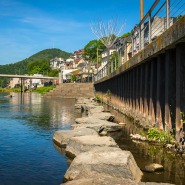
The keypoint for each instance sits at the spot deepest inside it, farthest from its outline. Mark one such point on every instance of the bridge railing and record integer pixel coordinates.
(162, 15)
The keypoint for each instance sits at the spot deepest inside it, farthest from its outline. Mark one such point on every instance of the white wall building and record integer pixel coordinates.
(56, 63)
(105, 57)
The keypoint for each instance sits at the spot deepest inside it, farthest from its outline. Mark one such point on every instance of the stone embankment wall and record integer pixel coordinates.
(72, 90)
(150, 86)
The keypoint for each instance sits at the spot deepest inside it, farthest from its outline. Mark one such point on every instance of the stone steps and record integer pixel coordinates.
(72, 90)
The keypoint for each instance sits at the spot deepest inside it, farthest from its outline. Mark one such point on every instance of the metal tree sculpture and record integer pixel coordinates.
(107, 32)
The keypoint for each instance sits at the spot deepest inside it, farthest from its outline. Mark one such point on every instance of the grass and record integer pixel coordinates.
(43, 90)
(10, 90)
(160, 136)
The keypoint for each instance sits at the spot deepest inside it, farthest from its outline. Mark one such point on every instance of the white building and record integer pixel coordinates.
(56, 63)
(105, 57)
(27, 82)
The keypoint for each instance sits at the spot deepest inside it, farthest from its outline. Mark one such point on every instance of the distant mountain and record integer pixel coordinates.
(21, 67)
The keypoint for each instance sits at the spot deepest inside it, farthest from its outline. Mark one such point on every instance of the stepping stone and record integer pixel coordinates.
(81, 144)
(118, 164)
(62, 137)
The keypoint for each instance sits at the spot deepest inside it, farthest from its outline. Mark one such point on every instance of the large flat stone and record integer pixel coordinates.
(118, 164)
(109, 180)
(102, 115)
(153, 183)
(102, 180)
(109, 126)
(81, 144)
(62, 137)
(91, 120)
(94, 109)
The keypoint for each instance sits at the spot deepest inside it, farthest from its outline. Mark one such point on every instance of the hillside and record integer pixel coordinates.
(21, 67)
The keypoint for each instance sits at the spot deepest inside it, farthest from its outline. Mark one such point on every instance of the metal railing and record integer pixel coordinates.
(162, 15)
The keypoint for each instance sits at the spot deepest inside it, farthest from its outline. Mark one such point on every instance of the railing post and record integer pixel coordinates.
(121, 57)
(149, 28)
(125, 52)
(167, 14)
(132, 45)
(112, 65)
(139, 37)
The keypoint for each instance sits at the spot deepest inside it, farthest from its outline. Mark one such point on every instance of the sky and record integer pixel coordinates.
(29, 26)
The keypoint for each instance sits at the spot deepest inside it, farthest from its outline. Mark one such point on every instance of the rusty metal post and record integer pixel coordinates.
(180, 87)
(130, 88)
(122, 87)
(137, 87)
(146, 88)
(126, 89)
(141, 90)
(160, 92)
(152, 102)
(133, 88)
(167, 109)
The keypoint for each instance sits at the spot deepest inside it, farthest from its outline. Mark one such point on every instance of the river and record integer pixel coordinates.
(146, 153)
(27, 124)
(28, 155)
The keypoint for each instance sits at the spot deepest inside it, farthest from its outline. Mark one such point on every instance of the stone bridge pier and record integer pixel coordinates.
(151, 86)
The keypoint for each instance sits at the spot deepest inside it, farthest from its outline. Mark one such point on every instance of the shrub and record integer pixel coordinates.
(160, 136)
(43, 90)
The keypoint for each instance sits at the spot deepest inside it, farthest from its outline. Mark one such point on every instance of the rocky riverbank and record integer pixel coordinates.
(97, 158)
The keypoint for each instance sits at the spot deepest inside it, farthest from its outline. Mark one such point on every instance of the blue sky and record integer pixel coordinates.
(29, 26)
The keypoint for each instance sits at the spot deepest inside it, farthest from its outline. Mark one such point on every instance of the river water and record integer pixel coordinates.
(146, 153)
(28, 155)
(27, 124)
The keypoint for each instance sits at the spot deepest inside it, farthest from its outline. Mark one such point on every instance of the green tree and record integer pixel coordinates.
(22, 66)
(40, 66)
(90, 50)
(73, 78)
(126, 35)
(54, 73)
(114, 58)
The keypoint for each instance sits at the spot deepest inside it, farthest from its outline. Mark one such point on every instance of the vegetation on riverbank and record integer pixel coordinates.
(10, 90)
(43, 90)
(153, 134)
(160, 136)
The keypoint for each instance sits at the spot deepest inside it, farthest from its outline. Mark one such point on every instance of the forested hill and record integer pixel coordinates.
(21, 67)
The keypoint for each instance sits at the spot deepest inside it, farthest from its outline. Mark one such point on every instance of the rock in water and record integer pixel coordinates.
(62, 137)
(81, 144)
(154, 167)
(118, 164)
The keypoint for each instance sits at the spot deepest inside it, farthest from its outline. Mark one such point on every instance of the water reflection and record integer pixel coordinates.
(27, 124)
(42, 112)
(146, 153)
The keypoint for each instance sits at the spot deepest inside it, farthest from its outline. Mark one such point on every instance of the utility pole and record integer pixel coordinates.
(141, 9)
(141, 26)
(97, 60)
